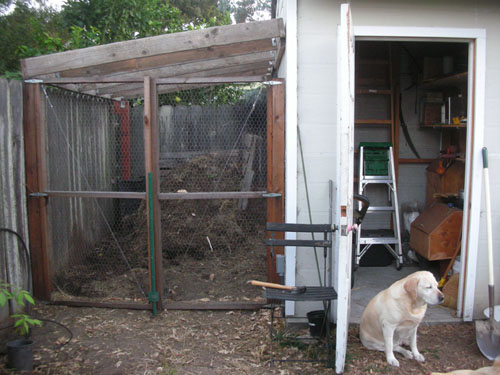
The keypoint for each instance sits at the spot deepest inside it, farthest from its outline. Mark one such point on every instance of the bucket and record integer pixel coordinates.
(317, 324)
(20, 355)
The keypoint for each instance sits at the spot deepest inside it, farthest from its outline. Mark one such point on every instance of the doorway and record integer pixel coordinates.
(413, 96)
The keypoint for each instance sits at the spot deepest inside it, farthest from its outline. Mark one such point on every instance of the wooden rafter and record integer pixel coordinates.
(117, 69)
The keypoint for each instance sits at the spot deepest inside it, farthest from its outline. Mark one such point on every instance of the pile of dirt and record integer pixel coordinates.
(199, 227)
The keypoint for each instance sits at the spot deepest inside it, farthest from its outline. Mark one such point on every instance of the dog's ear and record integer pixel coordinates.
(411, 287)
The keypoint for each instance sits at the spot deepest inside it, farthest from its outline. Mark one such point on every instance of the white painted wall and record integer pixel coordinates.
(316, 84)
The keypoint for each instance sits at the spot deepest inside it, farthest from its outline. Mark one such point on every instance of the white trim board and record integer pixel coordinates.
(291, 118)
(475, 135)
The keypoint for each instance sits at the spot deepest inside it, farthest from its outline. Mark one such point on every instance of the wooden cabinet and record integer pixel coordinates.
(436, 231)
(448, 182)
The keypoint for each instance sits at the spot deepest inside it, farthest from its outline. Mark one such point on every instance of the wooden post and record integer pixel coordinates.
(275, 166)
(151, 149)
(36, 182)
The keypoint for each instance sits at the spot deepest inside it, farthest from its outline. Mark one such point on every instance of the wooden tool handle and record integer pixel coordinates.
(271, 285)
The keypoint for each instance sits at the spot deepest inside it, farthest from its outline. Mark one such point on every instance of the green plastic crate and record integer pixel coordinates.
(376, 159)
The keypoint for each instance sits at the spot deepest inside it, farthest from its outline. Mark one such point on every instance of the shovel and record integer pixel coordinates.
(292, 289)
(488, 331)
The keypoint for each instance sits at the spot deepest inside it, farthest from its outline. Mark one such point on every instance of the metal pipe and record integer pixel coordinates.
(153, 295)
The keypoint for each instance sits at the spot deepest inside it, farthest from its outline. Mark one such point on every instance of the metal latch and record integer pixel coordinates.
(272, 83)
(39, 195)
(153, 297)
(271, 195)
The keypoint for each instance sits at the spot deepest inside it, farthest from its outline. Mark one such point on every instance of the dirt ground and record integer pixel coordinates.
(109, 342)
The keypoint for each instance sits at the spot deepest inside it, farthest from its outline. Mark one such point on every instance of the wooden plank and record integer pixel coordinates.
(218, 305)
(373, 122)
(171, 305)
(190, 68)
(275, 167)
(151, 46)
(133, 91)
(96, 194)
(35, 181)
(106, 305)
(174, 58)
(212, 195)
(260, 69)
(159, 81)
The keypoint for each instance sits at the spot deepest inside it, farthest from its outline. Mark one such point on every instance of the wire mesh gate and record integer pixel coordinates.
(211, 147)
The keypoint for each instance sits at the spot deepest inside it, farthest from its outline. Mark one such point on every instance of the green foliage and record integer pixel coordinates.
(196, 11)
(246, 10)
(27, 31)
(23, 322)
(105, 21)
(214, 95)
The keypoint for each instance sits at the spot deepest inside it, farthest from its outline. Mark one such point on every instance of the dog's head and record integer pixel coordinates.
(423, 285)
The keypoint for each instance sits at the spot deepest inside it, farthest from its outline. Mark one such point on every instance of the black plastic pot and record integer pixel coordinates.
(317, 323)
(20, 355)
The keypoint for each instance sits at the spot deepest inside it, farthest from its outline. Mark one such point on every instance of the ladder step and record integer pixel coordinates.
(381, 208)
(377, 180)
(378, 240)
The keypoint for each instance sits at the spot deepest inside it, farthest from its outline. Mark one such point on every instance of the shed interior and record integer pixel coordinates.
(414, 95)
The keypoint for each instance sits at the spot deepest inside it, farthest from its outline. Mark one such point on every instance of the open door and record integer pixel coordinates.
(345, 176)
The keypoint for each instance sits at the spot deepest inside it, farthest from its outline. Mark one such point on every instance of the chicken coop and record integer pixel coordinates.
(152, 167)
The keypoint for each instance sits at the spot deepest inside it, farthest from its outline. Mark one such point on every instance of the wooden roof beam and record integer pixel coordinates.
(169, 59)
(216, 67)
(152, 46)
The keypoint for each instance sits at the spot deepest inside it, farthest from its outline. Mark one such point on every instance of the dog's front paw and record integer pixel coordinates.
(393, 361)
(419, 357)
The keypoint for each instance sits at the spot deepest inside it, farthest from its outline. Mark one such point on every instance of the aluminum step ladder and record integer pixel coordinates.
(388, 237)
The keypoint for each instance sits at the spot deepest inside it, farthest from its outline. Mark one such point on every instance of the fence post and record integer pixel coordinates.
(36, 182)
(151, 150)
(275, 166)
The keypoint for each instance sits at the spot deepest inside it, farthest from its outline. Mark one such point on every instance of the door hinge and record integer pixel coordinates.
(39, 195)
(271, 195)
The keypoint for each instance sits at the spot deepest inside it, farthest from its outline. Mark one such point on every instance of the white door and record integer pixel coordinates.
(345, 155)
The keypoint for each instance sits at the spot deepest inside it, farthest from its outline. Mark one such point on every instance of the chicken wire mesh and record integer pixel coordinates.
(212, 140)
(94, 145)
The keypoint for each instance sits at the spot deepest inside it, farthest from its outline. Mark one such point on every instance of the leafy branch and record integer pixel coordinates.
(23, 322)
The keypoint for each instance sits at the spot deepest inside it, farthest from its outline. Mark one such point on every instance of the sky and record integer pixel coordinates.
(56, 3)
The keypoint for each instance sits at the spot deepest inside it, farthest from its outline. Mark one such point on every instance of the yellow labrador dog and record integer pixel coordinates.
(393, 315)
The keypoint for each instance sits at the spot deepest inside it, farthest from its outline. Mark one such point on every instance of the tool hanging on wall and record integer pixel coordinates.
(405, 128)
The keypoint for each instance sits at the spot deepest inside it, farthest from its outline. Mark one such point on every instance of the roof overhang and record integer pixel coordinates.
(243, 52)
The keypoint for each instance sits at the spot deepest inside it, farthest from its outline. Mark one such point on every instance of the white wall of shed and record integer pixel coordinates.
(316, 83)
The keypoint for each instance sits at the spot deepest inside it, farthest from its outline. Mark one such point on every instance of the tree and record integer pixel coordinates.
(246, 10)
(94, 22)
(27, 30)
(196, 11)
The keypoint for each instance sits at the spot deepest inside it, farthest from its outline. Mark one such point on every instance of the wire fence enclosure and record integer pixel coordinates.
(212, 145)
